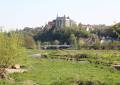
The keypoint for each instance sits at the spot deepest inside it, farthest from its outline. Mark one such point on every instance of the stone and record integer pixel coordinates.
(116, 66)
(7, 70)
(16, 66)
(37, 55)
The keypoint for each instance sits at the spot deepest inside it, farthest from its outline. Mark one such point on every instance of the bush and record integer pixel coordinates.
(10, 49)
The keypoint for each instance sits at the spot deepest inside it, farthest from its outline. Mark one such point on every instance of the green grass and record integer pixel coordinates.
(106, 57)
(47, 72)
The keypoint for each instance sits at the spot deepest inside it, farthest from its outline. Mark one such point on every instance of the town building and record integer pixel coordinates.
(89, 27)
(64, 21)
(61, 22)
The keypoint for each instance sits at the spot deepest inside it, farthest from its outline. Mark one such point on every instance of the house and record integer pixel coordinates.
(89, 27)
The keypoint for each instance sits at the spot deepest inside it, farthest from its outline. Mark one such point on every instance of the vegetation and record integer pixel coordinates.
(29, 42)
(116, 28)
(62, 72)
(62, 67)
(62, 35)
(73, 41)
(91, 38)
(11, 48)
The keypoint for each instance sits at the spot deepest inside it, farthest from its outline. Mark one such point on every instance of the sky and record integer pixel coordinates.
(34, 13)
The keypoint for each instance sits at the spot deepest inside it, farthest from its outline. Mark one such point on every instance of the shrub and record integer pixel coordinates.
(10, 49)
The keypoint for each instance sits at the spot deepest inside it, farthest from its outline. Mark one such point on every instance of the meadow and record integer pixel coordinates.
(59, 69)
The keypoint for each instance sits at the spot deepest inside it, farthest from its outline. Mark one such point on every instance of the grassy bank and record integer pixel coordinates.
(49, 72)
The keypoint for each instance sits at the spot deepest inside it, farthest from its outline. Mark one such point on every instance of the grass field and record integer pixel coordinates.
(62, 72)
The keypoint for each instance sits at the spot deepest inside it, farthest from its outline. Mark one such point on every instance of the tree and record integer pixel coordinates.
(11, 48)
(46, 43)
(38, 44)
(56, 42)
(81, 43)
(73, 41)
(80, 26)
(29, 42)
(116, 29)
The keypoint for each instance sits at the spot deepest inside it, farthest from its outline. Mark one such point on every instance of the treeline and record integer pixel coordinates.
(12, 44)
(34, 38)
(62, 35)
(106, 37)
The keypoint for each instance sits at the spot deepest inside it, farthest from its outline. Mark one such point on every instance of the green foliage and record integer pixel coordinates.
(81, 43)
(11, 48)
(56, 42)
(62, 34)
(38, 44)
(83, 33)
(73, 41)
(61, 72)
(91, 38)
(29, 42)
(46, 43)
(116, 29)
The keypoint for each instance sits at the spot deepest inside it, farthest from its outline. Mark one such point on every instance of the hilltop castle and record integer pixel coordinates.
(60, 22)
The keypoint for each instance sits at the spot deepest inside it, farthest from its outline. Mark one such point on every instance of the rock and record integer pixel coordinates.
(84, 62)
(7, 70)
(37, 55)
(16, 66)
(116, 66)
(3, 74)
(44, 56)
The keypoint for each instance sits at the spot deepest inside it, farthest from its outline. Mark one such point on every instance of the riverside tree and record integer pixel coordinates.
(56, 42)
(73, 41)
(29, 42)
(116, 28)
(38, 45)
(11, 48)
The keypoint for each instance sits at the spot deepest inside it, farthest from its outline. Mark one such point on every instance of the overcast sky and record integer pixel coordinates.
(32, 13)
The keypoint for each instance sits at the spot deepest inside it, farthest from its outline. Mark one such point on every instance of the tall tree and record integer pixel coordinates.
(11, 49)
(73, 41)
(38, 44)
(29, 42)
(56, 42)
(116, 28)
